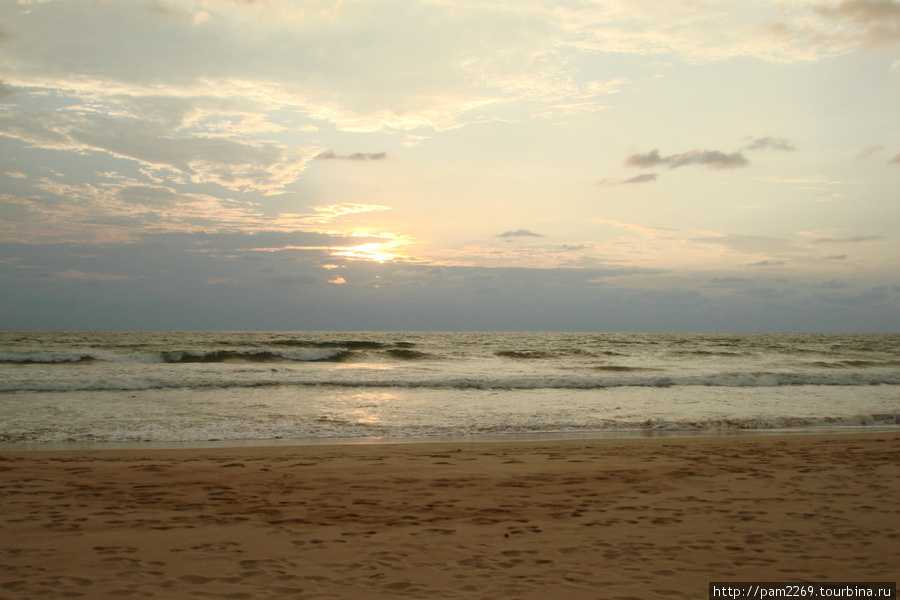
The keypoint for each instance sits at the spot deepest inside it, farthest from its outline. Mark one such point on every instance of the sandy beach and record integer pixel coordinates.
(607, 518)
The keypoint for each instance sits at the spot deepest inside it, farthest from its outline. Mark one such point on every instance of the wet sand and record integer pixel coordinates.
(612, 518)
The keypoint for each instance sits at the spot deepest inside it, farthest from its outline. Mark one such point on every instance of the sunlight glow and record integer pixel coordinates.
(380, 252)
(328, 214)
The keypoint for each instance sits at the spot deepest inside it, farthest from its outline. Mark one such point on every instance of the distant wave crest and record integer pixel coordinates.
(177, 356)
(275, 351)
(254, 355)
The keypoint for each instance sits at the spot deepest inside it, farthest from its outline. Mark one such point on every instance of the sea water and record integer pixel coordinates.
(195, 387)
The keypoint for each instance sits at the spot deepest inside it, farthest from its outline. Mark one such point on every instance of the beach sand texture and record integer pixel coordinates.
(608, 518)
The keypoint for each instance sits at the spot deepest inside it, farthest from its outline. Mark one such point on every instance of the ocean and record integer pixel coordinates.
(78, 387)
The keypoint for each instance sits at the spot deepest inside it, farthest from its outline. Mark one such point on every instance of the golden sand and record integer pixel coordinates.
(597, 519)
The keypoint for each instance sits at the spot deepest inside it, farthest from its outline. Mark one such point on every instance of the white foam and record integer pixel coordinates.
(263, 386)
(322, 412)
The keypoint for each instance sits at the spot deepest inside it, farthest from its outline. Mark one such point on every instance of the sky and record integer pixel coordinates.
(571, 165)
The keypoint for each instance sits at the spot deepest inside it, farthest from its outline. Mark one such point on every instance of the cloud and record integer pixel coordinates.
(159, 141)
(728, 281)
(117, 209)
(833, 285)
(770, 142)
(834, 29)
(849, 240)
(365, 67)
(519, 233)
(412, 140)
(567, 109)
(45, 130)
(700, 32)
(645, 161)
(879, 20)
(152, 196)
(574, 247)
(267, 241)
(766, 263)
(357, 156)
(6, 90)
(76, 274)
(169, 287)
(106, 211)
(644, 178)
(372, 67)
(816, 180)
(81, 286)
(869, 151)
(752, 244)
(330, 213)
(711, 159)
(234, 164)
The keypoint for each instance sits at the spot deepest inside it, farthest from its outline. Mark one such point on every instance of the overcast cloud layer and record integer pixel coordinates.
(450, 164)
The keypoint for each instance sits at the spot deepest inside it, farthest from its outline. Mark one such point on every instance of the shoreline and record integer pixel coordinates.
(648, 517)
(438, 439)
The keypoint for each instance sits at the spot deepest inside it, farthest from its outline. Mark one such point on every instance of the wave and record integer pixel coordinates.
(347, 344)
(406, 354)
(44, 358)
(274, 351)
(710, 353)
(523, 354)
(254, 355)
(624, 369)
(331, 426)
(552, 353)
(853, 364)
(738, 423)
(288, 377)
(177, 356)
(717, 424)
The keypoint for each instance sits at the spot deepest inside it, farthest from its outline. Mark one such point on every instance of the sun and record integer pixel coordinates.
(391, 249)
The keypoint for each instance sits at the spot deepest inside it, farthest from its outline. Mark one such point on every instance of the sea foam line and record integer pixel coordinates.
(96, 382)
(287, 429)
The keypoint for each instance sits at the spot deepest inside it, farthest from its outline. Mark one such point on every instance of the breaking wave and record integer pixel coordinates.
(609, 378)
(276, 351)
(176, 356)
